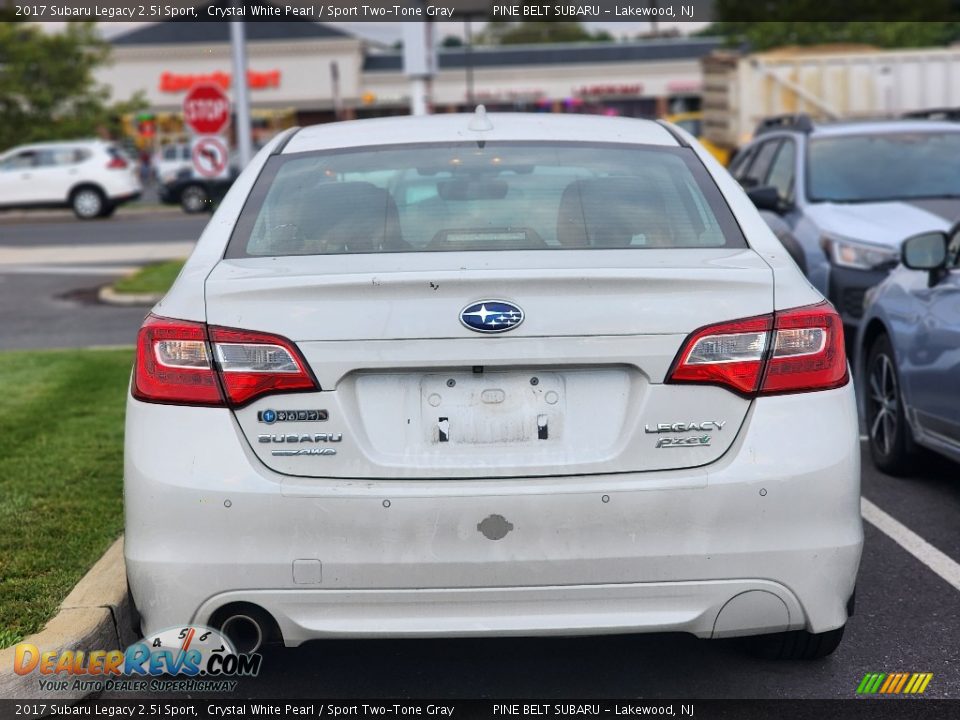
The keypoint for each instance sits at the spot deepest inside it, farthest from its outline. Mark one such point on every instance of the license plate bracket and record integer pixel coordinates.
(492, 407)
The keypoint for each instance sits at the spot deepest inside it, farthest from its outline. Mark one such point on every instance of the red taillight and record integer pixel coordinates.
(186, 363)
(728, 354)
(790, 351)
(173, 364)
(117, 163)
(252, 364)
(808, 351)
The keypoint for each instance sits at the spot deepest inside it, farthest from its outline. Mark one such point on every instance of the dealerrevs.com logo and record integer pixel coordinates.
(189, 659)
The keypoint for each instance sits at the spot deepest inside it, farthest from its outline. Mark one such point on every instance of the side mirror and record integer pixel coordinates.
(766, 198)
(927, 251)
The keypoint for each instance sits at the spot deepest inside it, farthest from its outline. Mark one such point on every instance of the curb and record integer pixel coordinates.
(109, 296)
(97, 615)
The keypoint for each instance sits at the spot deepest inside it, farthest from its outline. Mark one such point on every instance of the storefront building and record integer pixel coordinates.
(302, 73)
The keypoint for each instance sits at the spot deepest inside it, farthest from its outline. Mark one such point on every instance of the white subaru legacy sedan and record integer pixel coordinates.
(492, 375)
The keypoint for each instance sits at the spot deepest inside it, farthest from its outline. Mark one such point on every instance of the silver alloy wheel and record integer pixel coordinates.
(87, 203)
(884, 395)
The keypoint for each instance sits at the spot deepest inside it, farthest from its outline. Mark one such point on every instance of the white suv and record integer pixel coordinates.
(499, 375)
(92, 177)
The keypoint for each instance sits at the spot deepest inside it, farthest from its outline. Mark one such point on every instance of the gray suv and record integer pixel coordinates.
(842, 197)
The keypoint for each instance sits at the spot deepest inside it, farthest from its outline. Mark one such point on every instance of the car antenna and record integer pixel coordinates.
(480, 121)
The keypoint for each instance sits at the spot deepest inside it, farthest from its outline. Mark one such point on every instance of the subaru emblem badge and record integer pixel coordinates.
(491, 316)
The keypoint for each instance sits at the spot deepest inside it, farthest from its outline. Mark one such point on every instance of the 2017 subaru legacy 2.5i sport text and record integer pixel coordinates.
(492, 375)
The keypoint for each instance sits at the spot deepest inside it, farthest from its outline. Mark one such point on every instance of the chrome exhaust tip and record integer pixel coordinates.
(244, 632)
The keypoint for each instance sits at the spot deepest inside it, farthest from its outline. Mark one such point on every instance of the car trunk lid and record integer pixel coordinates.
(407, 391)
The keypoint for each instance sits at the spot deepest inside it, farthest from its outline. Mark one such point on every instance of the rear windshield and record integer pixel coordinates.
(891, 166)
(483, 196)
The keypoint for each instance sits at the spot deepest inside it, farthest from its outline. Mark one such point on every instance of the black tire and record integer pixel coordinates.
(795, 645)
(134, 618)
(87, 202)
(891, 446)
(108, 210)
(194, 199)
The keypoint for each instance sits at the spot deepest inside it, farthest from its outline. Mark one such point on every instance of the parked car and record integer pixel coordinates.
(170, 160)
(193, 194)
(842, 197)
(909, 354)
(92, 177)
(570, 383)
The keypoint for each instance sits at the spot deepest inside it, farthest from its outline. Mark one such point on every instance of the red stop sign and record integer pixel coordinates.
(206, 109)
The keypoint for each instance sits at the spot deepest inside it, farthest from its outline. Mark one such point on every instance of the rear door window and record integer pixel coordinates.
(782, 170)
(756, 174)
(495, 196)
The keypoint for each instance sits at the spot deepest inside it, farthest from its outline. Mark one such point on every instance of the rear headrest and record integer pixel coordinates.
(351, 217)
(613, 212)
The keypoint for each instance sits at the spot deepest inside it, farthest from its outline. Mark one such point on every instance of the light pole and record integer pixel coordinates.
(241, 91)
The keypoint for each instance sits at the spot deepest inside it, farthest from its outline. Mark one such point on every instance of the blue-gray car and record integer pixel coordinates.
(908, 354)
(842, 197)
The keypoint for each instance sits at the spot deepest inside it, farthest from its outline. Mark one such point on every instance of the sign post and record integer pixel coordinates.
(206, 111)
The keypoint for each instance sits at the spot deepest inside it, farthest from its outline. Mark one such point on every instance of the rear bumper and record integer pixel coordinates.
(767, 538)
(718, 608)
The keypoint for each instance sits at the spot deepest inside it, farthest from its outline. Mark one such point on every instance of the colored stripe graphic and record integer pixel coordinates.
(894, 683)
(903, 680)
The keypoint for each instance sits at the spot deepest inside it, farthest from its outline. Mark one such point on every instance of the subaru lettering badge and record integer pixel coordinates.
(491, 316)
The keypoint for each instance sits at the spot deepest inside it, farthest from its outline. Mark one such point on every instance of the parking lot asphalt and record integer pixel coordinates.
(25, 230)
(907, 615)
(50, 269)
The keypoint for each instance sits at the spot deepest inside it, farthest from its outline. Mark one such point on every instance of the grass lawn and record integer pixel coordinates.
(61, 470)
(150, 279)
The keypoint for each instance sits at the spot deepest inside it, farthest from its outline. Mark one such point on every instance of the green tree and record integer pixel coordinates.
(47, 85)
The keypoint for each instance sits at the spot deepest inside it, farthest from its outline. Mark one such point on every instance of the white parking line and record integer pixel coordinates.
(942, 564)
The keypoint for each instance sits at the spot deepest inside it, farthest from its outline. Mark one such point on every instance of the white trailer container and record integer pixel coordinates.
(827, 83)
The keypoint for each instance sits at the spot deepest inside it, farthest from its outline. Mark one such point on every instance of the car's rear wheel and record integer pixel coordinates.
(108, 210)
(194, 199)
(87, 203)
(889, 436)
(795, 644)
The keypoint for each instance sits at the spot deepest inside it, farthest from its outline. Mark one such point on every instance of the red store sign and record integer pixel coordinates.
(609, 90)
(175, 83)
